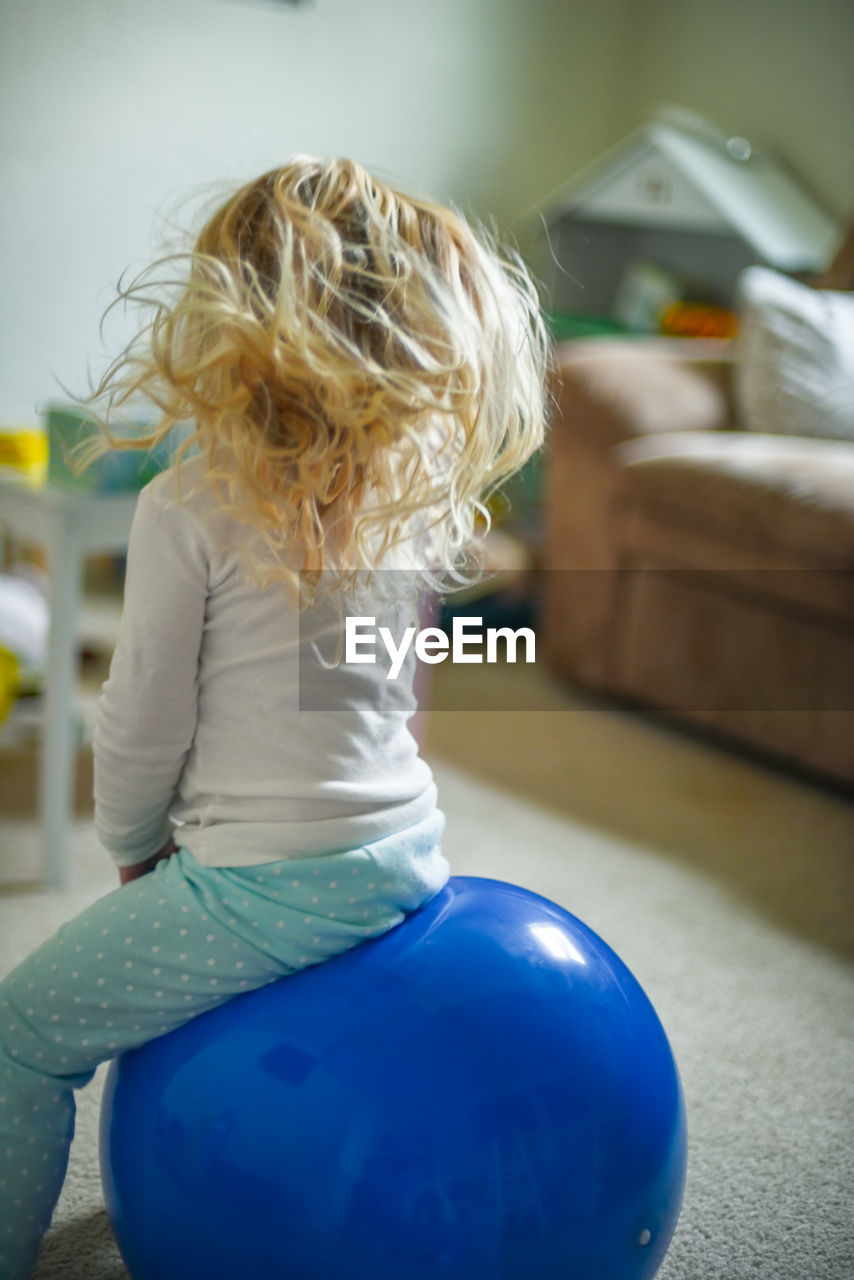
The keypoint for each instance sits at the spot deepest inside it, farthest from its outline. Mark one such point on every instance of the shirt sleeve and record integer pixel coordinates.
(146, 716)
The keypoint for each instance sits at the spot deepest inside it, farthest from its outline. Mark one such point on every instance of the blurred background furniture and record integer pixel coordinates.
(65, 518)
(69, 526)
(703, 571)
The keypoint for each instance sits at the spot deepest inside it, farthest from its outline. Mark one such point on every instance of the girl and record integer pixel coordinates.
(359, 368)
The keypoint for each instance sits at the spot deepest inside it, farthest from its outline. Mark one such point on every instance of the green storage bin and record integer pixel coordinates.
(564, 325)
(118, 471)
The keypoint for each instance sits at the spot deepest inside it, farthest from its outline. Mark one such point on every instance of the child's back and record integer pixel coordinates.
(200, 729)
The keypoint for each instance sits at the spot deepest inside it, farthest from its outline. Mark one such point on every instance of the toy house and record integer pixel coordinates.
(672, 215)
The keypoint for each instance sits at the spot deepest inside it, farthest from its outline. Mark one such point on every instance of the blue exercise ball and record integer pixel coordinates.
(485, 1091)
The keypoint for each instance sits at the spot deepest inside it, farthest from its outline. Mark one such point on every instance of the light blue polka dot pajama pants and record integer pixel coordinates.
(152, 955)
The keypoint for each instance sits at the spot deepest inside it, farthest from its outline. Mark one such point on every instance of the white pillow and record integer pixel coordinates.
(795, 372)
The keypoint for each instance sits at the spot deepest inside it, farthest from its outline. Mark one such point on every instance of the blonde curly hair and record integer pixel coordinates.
(361, 368)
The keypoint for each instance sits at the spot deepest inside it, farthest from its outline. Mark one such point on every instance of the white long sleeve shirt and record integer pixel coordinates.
(199, 732)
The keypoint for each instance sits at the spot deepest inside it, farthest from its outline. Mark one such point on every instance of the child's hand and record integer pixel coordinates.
(126, 874)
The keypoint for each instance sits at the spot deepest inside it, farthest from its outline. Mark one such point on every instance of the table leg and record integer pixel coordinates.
(58, 756)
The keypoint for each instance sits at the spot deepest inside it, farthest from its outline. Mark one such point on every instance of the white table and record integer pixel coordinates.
(70, 526)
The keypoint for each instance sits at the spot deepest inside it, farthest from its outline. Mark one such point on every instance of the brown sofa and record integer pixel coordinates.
(702, 571)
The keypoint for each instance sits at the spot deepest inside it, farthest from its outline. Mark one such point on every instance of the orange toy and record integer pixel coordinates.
(698, 320)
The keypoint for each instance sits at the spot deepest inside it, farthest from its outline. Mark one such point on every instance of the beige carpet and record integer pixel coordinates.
(727, 887)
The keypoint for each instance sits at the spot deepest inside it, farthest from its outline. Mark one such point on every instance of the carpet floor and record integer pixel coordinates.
(726, 886)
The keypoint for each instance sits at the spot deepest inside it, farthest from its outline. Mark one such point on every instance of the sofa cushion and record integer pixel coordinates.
(795, 372)
(607, 390)
(788, 495)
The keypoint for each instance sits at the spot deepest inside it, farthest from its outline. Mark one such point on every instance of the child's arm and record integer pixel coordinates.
(147, 711)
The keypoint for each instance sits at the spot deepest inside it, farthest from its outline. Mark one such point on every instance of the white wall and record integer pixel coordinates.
(112, 108)
(780, 72)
